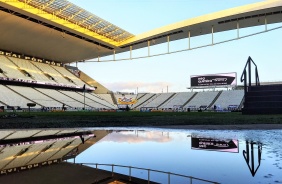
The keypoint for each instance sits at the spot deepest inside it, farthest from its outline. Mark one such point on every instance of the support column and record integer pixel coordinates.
(189, 45)
(167, 44)
(238, 36)
(130, 52)
(148, 48)
(265, 23)
(114, 55)
(212, 34)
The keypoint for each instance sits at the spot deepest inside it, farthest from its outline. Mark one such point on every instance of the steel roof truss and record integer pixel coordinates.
(104, 28)
(74, 15)
(83, 21)
(47, 4)
(61, 10)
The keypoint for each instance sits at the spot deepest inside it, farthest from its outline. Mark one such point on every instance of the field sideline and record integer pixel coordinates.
(128, 119)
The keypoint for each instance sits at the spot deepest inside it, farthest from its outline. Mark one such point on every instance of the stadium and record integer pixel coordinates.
(43, 41)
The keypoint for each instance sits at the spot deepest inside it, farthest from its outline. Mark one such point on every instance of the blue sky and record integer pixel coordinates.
(174, 70)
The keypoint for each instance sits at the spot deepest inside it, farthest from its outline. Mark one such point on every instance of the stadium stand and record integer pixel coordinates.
(70, 102)
(36, 96)
(12, 98)
(10, 70)
(54, 74)
(140, 95)
(178, 100)
(69, 76)
(159, 100)
(106, 97)
(143, 99)
(101, 103)
(80, 98)
(202, 99)
(229, 98)
(31, 69)
(14, 68)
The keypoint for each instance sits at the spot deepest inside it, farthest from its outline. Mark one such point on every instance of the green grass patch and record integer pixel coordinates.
(131, 118)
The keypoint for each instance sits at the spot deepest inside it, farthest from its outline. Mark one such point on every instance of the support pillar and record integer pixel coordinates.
(148, 48)
(167, 44)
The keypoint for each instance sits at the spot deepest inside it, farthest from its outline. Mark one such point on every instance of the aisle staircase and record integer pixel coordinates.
(266, 99)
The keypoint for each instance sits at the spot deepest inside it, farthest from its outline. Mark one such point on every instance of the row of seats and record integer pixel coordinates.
(19, 96)
(190, 100)
(11, 98)
(160, 99)
(178, 100)
(35, 73)
(202, 99)
(143, 99)
(227, 98)
(40, 72)
(10, 70)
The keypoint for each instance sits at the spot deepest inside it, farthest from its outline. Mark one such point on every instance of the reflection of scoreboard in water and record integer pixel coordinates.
(226, 145)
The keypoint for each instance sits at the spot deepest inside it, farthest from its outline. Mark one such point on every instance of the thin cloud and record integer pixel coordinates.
(155, 87)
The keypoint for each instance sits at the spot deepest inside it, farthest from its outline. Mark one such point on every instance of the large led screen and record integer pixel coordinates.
(224, 79)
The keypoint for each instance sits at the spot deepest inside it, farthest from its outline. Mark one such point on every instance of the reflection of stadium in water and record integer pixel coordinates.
(21, 150)
(160, 149)
(250, 154)
(167, 150)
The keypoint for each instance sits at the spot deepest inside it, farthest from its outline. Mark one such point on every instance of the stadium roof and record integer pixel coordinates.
(61, 31)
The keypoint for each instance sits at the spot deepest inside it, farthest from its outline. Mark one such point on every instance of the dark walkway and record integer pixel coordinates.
(67, 173)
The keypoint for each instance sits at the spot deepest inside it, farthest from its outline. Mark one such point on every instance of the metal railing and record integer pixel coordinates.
(248, 79)
(169, 174)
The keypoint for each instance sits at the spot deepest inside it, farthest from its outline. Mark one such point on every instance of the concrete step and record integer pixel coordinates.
(263, 104)
(263, 98)
(266, 88)
(264, 93)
